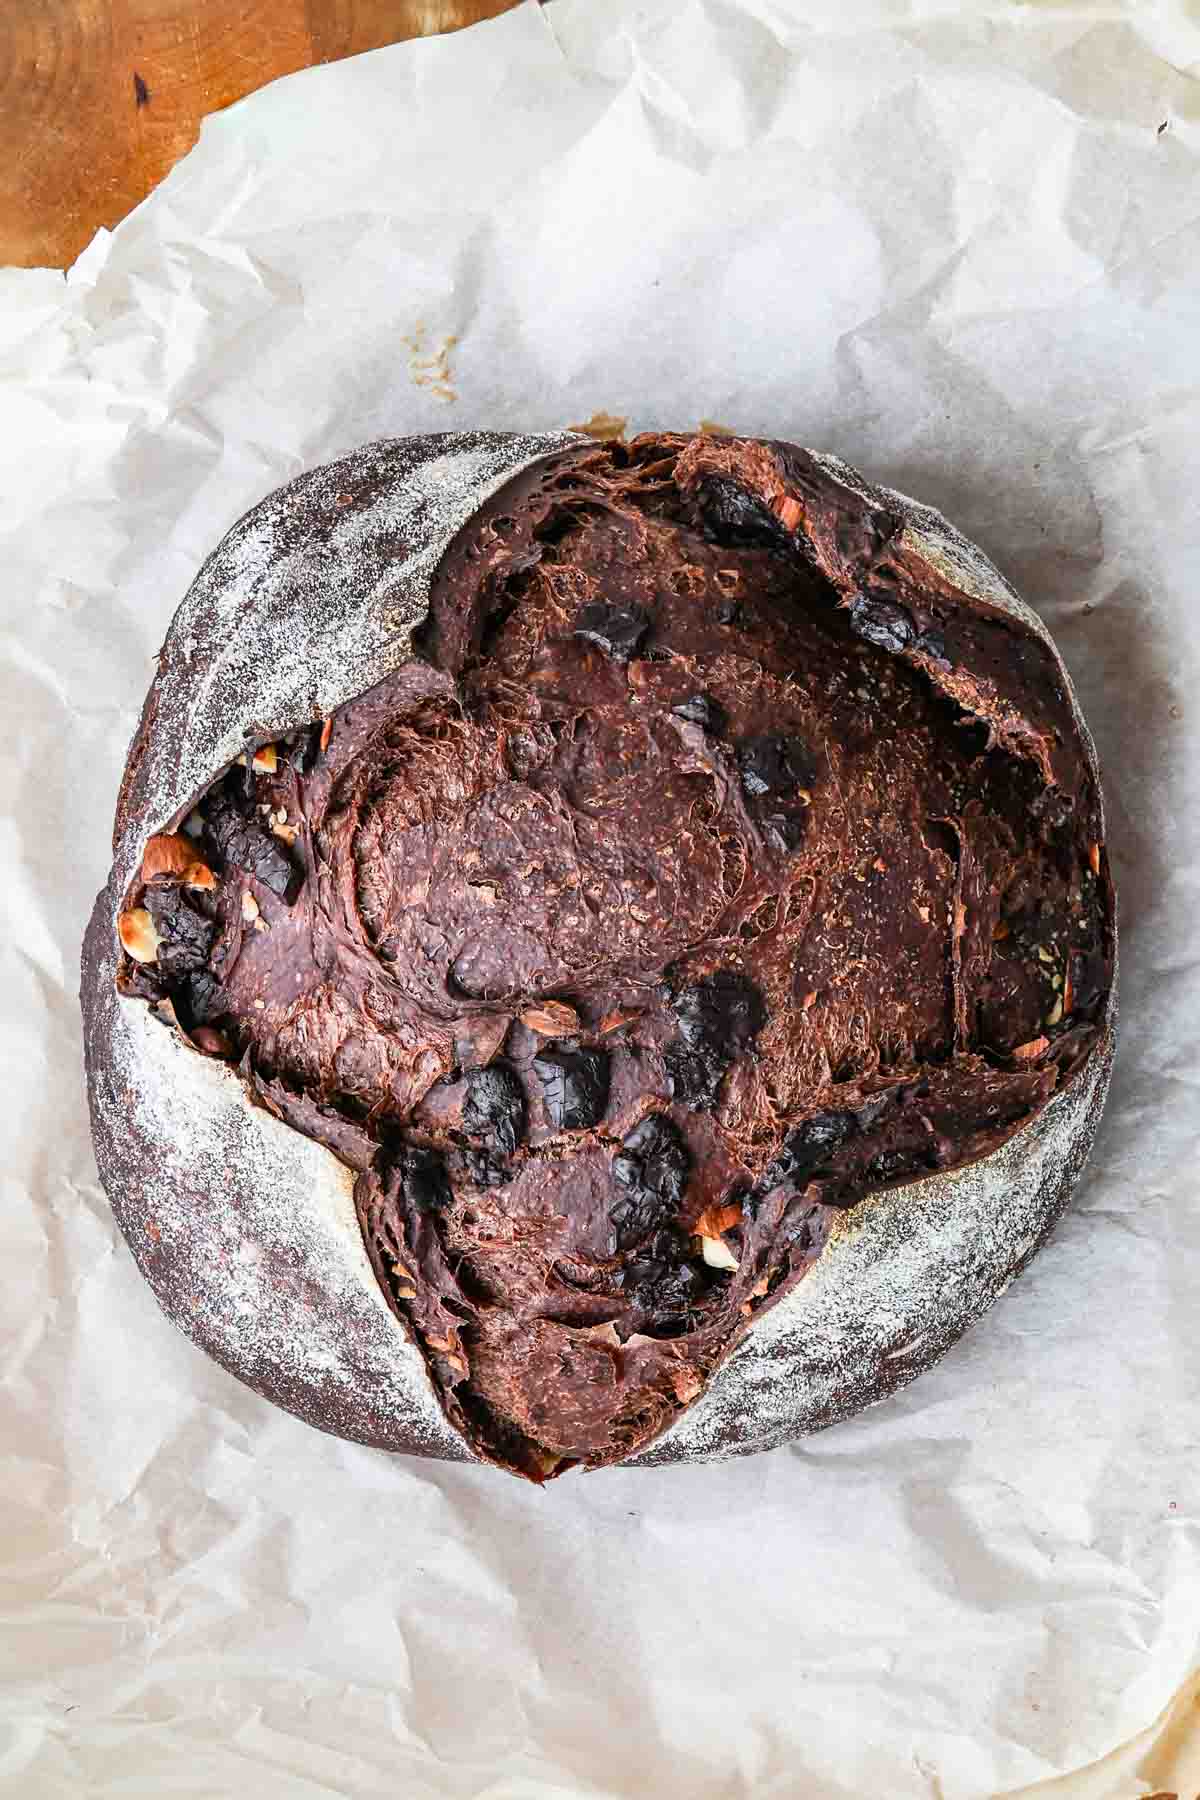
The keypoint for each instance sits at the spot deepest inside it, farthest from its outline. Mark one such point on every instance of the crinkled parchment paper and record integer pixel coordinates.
(961, 247)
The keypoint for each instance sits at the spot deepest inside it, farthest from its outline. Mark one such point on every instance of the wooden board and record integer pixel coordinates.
(98, 98)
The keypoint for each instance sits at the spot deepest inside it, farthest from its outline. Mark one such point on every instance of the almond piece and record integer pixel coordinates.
(288, 833)
(613, 1021)
(1054, 1016)
(1094, 858)
(715, 1221)
(718, 1255)
(138, 936)
(265, 760)
(1032, 1050)
(249, 907)
(553, 1018)
(172, 854)
(326, 734)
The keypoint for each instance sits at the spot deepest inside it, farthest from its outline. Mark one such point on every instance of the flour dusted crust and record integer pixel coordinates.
(247, 1231)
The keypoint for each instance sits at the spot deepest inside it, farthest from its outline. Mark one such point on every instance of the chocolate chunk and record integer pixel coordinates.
(695, 1081)
(665, 1282)
(733, 516)
(196, 998)
(186, 934)
(882, 622)
(248, 846)
(652, 1168)
(718, 1020)
(784, 831)
(574, 1086)
(932, 644)
(494, 1108)
(808, 1147)
(618, 630)
(804, 1227)
(724, 1013)
(774, 765)
(423, 1179)
(701, 709)
(484, 1170)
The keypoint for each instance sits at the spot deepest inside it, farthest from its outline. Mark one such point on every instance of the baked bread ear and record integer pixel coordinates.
(610, 954)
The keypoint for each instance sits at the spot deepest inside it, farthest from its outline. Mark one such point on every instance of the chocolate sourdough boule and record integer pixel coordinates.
(610, 952)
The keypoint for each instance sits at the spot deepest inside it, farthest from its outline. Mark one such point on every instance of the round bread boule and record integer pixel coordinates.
(609, 954)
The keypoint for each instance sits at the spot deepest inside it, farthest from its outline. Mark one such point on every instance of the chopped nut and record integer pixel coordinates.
(173, 855)
(261, 925)
(717, 1254)
(613, 1021)
(288, 833)
(406, 1293)
(326, 734)
(686, 1383)
(714, 1221)
(265, 760)
(1044, 955)
(249, 907)
(1032, 1050)
(1054, 1016)
(553, 1018)
(1094, 858)
(788, 511)
(1068, 991)
(138, 936)
(211, 1041)
(401, 1273)
(459, 1365)
(260, 1006)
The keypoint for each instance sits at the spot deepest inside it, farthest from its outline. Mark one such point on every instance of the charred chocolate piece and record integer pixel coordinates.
(494, 1107)
(574, 1086)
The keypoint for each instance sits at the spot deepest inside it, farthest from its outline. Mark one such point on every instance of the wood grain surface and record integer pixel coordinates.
(98, 98)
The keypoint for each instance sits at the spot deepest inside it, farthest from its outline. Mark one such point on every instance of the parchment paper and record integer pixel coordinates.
(960, 247)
